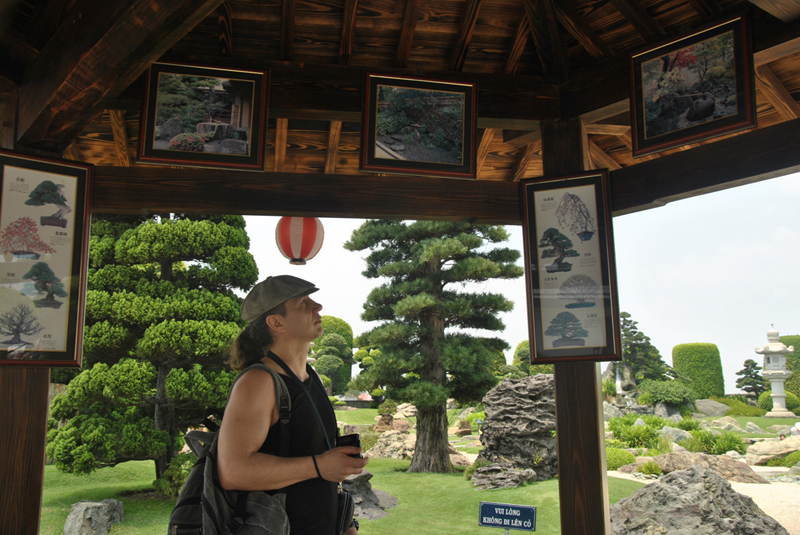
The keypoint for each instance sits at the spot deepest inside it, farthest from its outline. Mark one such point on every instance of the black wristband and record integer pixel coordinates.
(313, 458)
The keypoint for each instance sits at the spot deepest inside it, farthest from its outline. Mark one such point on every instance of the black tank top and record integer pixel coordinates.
(310, 504)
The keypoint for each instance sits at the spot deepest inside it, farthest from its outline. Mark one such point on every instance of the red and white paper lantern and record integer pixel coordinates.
(299, 238)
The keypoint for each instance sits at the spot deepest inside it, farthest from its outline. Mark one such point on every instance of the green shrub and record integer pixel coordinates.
(702, 363)
(474, 466)
(662, 444)
(701, 441)
(688, 424)
(609, 387)
(672, 393)
(616, 457)
(614, 443)
(387, 407)
(368, 440)
(765, 401)
(791, 459)
(727, 441)
(739, 408)
(471, 417)
(188, 142)
(650, 468)
(637, 436)
(176, 473)
(792, 384)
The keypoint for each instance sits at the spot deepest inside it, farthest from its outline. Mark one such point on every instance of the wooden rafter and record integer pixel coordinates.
(120, 134)
(582, 32)
(72, 152)
(281, 131)
(98, 54)
(287, 29)
(333, 147)
(483, 149)
(410, 17)
(49, 16)
(461, 45)
(601, 158)
(348, 31)
(518, 44)
(225, 24)
(549, 47)
(628, 142)
(786, 10)
(517, 138)
(705, 8)
(526, 154)
(633, 11)
(776, 93)
(607, 129)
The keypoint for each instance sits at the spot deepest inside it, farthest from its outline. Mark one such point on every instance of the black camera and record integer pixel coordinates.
(353, 439)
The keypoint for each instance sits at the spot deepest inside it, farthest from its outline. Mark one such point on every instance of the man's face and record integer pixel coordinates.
(303, 320)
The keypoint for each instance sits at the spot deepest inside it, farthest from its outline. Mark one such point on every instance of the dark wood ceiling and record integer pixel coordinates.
(73, 68)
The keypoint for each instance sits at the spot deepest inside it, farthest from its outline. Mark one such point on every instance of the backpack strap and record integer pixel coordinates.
(283, 400)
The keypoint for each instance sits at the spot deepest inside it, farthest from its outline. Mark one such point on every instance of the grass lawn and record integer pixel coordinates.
(761, 422)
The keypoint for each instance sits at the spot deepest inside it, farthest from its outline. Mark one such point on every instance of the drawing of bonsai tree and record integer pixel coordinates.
(573, 214)
(569, 328)
(557, 246)
(579, 288)
(46, 282)
(18, 322)
(21, 238)
(48, 192)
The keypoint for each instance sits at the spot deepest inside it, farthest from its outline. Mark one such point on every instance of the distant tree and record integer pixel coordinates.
(557, 246)
(46, 282)
(330, 366)
(48, 192)
(643, 357)
(792, 384)
(522, 360)
(568, 328)
(751, 381)
(338, 334)
(426, 264)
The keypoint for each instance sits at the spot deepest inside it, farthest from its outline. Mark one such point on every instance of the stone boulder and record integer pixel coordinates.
(496, 476)
(371, 504)
(464, 429)
(385, 423)
(517, 432)
(723, 465)
(394, 445)
(401, 425)
(610, 411)
(753, 428)
(780, 429)
(696, 501)
(405, 410)
(709, 407)
(665, 411)
(760, 453)
(726, 423)
(674, 434)
(93, 518)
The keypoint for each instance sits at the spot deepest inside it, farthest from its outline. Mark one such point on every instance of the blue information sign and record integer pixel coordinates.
(507, 516)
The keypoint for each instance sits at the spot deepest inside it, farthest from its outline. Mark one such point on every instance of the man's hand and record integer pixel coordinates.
(336, 464)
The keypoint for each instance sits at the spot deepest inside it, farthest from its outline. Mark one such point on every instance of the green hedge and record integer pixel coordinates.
(765, 401)
(615, 458)
(702, 363)
(672, 393)
(792, 384)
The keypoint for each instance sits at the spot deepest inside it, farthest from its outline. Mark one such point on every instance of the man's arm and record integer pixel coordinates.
(248, 417)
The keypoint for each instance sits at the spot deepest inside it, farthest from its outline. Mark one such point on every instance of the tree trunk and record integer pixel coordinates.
(164, 420)
(431, 451)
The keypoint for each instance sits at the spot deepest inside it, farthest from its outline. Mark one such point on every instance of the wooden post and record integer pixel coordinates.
(23, 411)
(583, 486)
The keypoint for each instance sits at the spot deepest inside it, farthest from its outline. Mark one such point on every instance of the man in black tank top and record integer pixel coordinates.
(282, 322)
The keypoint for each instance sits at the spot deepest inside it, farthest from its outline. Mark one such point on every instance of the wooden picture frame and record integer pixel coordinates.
(419, 126)
(44, 259)
(693, 88)
(573, 311)
(220, 114)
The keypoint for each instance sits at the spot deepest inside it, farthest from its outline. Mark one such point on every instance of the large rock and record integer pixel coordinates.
(761, 453)
(750, 427)
(385, 423)
(370, 503)
(610, 411)
(496, 476)
(518, 429)
(723, 465)
(665, 411)
(405, 410)
(709, 407)
(726, 423)
(93, 518)
(696, 501)
(674, 434)
(394, 445)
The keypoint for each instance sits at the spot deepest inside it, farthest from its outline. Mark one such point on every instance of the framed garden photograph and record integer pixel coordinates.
(204, 117)
(573, 313)
(693, 88)
(418, 126)
(44, 237)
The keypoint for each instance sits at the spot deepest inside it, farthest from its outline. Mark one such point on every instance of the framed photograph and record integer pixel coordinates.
(693, 88)
(204, 117)
(573, 312)
(44, 237)
(418, 126)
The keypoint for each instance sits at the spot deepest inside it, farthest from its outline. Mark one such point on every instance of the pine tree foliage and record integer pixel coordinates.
(642, 356)
(423, 357)
(751, 381)
(160, 310)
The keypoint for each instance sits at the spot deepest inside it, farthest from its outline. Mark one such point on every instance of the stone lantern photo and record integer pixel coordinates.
(775, 372)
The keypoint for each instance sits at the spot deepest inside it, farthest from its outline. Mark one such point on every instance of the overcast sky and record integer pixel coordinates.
(718, 268)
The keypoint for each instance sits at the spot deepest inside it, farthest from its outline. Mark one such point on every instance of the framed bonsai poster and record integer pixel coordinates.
(573, 312)
(44, 236)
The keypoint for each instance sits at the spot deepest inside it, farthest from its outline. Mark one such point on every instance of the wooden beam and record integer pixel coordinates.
(518, 44)
(120, 134)
(483, 148)
(778, 96)
(348, 31)
(628, 142)
(634, 13)
(96, 54)
(607, 129)
(48, 17)
(706, 8)
(518, 138)
(333, 147)
(8, 117)
(461, 45)
(225, 24)
(786, 10)
(72, 152)
(526, 154)
(410, 17)
(582, 32)
(281, 130)
(287, 29)
(601, 158)
(545, 35)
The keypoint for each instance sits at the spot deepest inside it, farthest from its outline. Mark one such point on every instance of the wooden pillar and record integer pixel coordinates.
(583, 486)
(23, 412)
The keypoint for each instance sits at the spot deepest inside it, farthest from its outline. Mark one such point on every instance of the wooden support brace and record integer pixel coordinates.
(281, 129)
(601, 158)
(526, 155)
(483, 149)
(776, 93)
(120, 133)
(333, 147)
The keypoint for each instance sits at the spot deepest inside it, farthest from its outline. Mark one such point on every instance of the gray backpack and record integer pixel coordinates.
(205, 508)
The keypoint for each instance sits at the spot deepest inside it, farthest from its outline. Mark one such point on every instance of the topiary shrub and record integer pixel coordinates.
(702, 363)
(791, 459)
(650, 468)
(792, 384)
(188, 142)
(672, 393)
(765, 401)
(615, 458)
(387, 407)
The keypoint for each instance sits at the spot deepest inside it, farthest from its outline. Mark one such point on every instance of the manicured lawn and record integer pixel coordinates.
(761, 422)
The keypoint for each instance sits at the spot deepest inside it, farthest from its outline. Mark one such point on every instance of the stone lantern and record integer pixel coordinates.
(776, 373)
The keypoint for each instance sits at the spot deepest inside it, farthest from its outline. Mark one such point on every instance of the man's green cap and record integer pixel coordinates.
(271, 292)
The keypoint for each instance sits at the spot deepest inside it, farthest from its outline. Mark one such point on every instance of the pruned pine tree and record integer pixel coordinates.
(423, 359)
(751, 380)
(160, 309)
